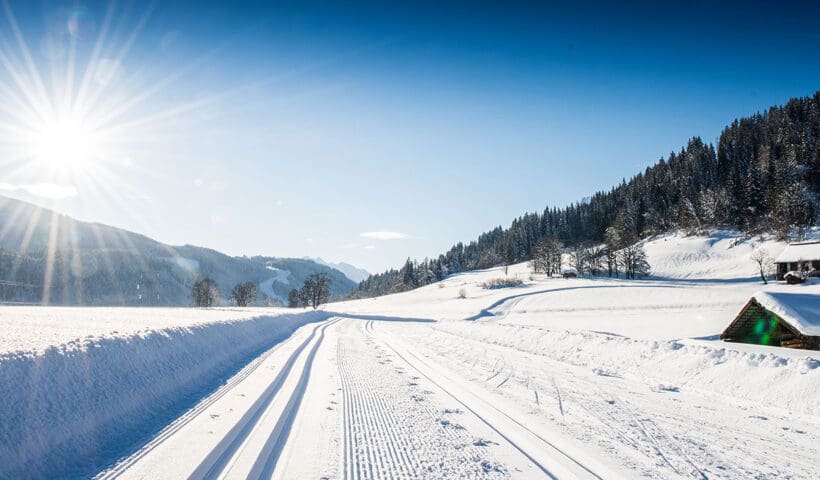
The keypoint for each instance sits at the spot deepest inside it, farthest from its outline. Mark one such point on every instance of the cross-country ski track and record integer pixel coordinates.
(352, 402)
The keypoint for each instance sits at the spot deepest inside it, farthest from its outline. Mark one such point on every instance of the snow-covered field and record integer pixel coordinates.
(581, 378)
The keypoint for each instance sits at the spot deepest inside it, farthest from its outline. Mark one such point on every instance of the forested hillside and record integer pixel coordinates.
(764, 175)
(46, 257)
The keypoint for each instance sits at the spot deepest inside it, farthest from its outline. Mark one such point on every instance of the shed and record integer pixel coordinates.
(778, 319)
(569, 273)
(801, 256)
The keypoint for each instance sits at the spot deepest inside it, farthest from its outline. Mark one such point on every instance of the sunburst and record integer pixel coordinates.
(68, 131)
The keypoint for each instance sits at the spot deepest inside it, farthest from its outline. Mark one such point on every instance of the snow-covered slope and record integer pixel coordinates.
(720, 255)
(80, 385)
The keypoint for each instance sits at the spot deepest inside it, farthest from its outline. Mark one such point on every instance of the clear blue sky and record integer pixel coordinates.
(292, 128)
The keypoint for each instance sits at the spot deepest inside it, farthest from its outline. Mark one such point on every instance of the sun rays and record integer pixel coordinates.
(69, 120)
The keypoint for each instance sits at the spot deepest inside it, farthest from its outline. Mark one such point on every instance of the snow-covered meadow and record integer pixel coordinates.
(590, 378)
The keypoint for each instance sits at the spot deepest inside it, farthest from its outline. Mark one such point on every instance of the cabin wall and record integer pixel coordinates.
(785, 267)
(759, 326)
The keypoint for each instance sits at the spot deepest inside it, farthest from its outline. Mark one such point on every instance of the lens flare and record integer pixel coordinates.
(77, 22)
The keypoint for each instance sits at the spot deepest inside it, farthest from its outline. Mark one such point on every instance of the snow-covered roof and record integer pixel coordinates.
(800, 310)
(799, 252)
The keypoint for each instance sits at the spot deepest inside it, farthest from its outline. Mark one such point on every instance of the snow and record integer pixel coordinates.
(720, 255)
(280, 276)
(801, 310)
(561, 378)
(90, 383)
(33, 330)
(799, 252)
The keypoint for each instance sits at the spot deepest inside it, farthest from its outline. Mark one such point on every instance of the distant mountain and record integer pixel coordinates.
(351, 271)
(52, 258)
(290, 273)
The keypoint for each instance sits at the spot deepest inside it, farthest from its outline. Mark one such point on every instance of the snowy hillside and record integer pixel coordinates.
(721, 255)
(577, 378)
(96, 264)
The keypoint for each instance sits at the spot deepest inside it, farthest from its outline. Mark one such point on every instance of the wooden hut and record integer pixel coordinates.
(800, 257)
(778, 319)
(569, 273)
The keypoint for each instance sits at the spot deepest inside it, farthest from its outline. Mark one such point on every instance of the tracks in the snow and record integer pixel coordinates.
(201, 407)
(553, 461)
(218, 461)
(393, 427)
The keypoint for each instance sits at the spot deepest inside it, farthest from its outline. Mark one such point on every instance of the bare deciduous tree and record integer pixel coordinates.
(294, 299)
(764, 263)
(205, 293)
(578, 261)
(244, 293)
(546, 257)
(315, 291)
(634, 262)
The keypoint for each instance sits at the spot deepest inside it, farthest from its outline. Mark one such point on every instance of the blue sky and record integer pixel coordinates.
(292, 128)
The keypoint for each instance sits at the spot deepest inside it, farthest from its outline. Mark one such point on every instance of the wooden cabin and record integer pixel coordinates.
(569, 273)
(801, 257)
(778, 319)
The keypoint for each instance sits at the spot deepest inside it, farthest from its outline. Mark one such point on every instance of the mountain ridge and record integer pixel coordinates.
(52, 258)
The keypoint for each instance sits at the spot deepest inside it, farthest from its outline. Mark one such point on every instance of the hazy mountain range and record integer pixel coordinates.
(52, 258)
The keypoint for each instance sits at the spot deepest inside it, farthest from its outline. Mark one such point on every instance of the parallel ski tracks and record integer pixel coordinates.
(197, 410)
(269, 456)
(218, 461)
(578, 467)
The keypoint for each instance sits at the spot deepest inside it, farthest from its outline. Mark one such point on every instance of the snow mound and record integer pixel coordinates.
(72, 408)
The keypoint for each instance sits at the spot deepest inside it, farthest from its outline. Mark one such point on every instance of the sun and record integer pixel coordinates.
(66, 143)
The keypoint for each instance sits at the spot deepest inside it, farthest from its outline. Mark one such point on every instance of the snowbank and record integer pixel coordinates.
(68, 410)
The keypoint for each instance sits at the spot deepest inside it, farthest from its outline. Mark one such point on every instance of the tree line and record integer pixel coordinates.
(205, 293)
(314, 292)
(763, 176)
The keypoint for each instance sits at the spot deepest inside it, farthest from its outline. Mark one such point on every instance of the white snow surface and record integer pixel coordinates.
(720, 255)
(801, 310)
(79, 385)
(799, 252)
(280, 276)
(576, 378)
